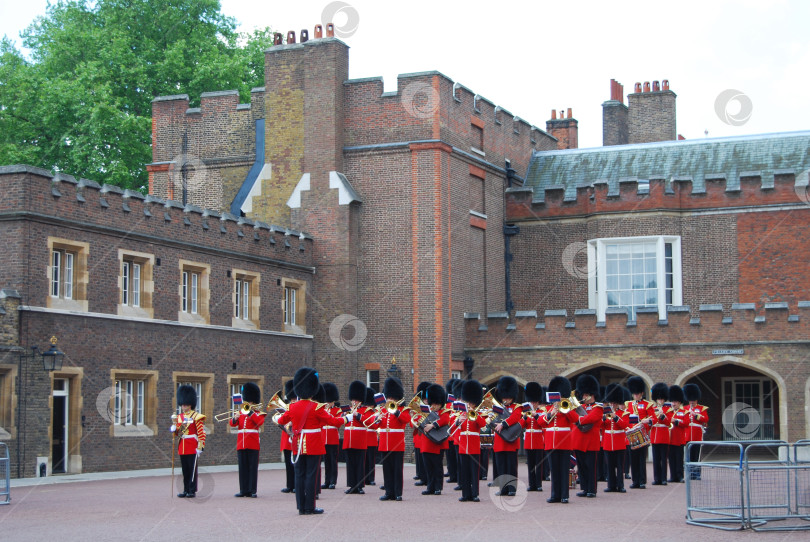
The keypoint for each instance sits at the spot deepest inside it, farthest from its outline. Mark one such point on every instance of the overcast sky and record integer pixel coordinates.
(530, 58)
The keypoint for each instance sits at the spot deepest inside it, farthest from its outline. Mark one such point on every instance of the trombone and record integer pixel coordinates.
(228, 414)
(486, 405)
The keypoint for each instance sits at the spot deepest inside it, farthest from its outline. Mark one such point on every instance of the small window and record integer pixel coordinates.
(67, 274)
(129, 402)
(133, 403)
(293, 305)
(478, 138)
(135, 284)
(194, 292)
(373, 379)
(246, 299)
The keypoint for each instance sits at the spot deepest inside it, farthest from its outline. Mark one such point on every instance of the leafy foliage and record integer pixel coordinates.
(82, 102)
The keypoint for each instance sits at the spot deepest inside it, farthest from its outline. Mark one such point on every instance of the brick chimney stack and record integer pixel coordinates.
(565, 129)
(614, 117)
(651, 113)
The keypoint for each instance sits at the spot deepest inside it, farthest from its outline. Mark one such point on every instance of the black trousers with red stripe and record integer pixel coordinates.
(306, 481)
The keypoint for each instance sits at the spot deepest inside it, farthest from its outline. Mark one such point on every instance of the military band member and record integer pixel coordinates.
(677, 434)
(286, 441)
(432, 452)
(533, 436)
(506, 452)
(586, 435)
(307, 420)
(354, 439)
(641, 408)
(614, 438)
(659, 432)
(451, 446)
(330, 459)
(469, 440)
(370, 476)
(189, 427)
(557, 426)
(248, 421)
(421, 475)
(391, 429)
(696, 417)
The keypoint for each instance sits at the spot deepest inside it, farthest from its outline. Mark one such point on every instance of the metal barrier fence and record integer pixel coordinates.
(758, 485)
(5, 475)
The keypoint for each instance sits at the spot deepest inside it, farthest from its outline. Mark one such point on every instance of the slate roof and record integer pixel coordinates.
(757, 155)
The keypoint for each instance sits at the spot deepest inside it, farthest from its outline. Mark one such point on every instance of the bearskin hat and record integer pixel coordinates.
(289, 390)
(357, 391)
(330, 392)
(392, 389)
(614, 394)
(369, 400)
(588, 384)
(507, 388)
(691, 392)
(659, 391)
(450, 385)
(636, 385)
(251, 393)
(533, 392)
(186, 395)
(626, 394)
(560, 384)
(319, 395)
(436, 395)
(305, 383)
(472, 392)
(457, 388)
(676, 394)
(421, 389)
(543, 396)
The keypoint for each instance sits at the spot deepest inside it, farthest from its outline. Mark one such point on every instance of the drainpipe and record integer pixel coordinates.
(509, 230)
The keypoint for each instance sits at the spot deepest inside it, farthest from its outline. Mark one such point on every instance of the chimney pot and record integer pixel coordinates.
(304, 35)
(646, 86)
(562, 114)
(291, 37)
(318, 31)
(330, 30)
(665, 83)
(656, 86)
(277, 38)
(638, 87)
(569, 112)
(553, 114)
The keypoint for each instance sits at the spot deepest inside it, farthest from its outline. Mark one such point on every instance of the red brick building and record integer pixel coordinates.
(348, 227)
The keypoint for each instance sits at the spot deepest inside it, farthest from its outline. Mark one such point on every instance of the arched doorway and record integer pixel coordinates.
(744, 402)
(607, 373)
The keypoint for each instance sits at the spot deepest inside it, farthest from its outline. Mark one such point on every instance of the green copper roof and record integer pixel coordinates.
(759, 155)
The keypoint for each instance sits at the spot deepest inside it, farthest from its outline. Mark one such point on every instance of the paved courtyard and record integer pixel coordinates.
(140, 506)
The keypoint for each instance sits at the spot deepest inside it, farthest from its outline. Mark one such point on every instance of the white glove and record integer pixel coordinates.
(173, 428)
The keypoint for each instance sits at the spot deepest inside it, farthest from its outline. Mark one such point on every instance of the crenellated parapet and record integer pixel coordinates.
(35, 194)
(710, 324)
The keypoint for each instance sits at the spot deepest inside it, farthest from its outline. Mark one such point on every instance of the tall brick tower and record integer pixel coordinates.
(614, 117)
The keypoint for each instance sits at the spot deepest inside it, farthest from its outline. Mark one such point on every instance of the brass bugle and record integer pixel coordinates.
(227, 415)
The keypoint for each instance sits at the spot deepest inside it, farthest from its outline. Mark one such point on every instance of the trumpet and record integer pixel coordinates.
(390, 407)
(569, 403)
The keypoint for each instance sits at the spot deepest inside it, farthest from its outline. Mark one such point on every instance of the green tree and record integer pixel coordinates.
(82, 103)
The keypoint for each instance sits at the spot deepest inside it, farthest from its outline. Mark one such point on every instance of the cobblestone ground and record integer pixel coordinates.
(144, 508)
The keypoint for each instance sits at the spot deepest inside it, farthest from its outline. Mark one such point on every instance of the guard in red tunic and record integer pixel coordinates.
(696, 417)
(677, 434)
(330, 460)
(469, 440)
(391, 428)
(586, 435)
(286, 441)
(533, 436)
(354, 439)
(557, 426)
(372, 441)
(247, 440)
(421, 475)
(189, 426)
(614, 439)
(432, 452)
(308, 419)
(452, 445)
(659, 431)
(641, 408)
(506, 451)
